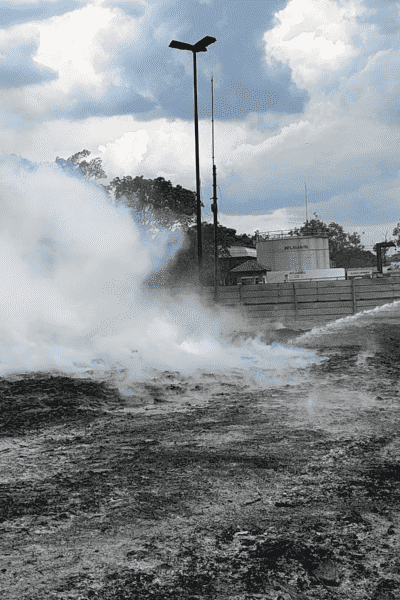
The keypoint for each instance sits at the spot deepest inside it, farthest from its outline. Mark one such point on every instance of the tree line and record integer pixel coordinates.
(345, 249)
(157, 203)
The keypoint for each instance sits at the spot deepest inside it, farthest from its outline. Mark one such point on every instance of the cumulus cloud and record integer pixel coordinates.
(315, 37)
(307, 92)
(17, 62)
(82, 48)
(112, 57)
(16, 12)
(373, 89)
(348, 157)
(25, 3)
(276, 220)
(127, 151)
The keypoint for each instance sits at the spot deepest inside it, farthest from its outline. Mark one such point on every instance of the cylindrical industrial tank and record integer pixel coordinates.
(294, 254)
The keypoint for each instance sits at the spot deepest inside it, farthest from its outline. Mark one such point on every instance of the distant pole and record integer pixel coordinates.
(214, 206)
(305, 187)
(196, 137)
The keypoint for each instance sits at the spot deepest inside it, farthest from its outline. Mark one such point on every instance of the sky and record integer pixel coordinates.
(305, 91)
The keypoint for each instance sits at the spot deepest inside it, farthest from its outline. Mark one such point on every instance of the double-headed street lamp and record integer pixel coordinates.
(200, 46)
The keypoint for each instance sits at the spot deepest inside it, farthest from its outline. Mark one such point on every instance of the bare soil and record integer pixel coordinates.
(191, 489)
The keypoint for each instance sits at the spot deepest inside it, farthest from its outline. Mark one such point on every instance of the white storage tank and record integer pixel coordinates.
(294, 253)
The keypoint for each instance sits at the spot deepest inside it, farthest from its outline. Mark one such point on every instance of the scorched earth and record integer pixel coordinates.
(206, 486)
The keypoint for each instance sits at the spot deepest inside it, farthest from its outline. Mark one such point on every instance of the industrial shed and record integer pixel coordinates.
(249, 273)
(236, 256)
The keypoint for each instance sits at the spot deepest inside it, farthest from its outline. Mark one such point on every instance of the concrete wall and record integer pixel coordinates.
(294, 253)
(310, 299)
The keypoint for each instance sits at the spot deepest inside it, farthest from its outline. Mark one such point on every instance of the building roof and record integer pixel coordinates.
(237, 251)
(287, 234)
(250, 266)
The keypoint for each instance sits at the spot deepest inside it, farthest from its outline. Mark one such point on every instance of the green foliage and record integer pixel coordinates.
(345, 249)
(156, 201)
(184, 268)
(89, 170)
(226, 238)
(396, 234)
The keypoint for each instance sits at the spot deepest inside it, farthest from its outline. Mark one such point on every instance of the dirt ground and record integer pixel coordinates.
(207, 488)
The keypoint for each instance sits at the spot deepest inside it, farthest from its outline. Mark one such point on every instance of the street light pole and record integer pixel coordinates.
(200, 46)
(198, 195)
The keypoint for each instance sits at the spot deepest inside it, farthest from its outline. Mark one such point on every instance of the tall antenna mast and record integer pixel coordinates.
(305, 187)
(214, 207)
(212, 118)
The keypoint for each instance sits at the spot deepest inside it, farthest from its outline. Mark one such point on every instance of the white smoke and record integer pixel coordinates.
(364, 317)
(72, 266)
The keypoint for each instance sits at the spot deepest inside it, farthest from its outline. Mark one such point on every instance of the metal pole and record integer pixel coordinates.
(196, 136)
(214, 207)
(215, 211)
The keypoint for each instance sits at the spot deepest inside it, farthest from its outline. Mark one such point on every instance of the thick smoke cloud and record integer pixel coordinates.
(72, 297)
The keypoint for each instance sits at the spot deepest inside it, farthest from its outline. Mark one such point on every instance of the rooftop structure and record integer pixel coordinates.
(250, 266)
(249, 273)
(285, 233)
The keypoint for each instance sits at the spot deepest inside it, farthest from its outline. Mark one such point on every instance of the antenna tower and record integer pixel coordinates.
(212, 118)
(214, 207)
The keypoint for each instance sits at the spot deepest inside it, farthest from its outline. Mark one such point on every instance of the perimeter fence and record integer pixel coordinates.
(307, 299)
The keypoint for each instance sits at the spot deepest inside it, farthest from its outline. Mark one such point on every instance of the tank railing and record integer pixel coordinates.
(283, 233)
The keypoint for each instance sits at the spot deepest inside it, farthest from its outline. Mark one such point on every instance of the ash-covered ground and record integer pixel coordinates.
(209, 485)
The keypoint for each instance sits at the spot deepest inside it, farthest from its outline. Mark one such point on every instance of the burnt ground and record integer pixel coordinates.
(206, 489)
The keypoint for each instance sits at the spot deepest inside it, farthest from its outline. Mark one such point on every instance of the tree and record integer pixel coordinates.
(226, 238)
(155, 202)
(87, 169)
(396, 234)
(345, 249)
(183, 268)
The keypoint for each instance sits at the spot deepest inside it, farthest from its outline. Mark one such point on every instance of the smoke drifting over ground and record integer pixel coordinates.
(72, 298)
